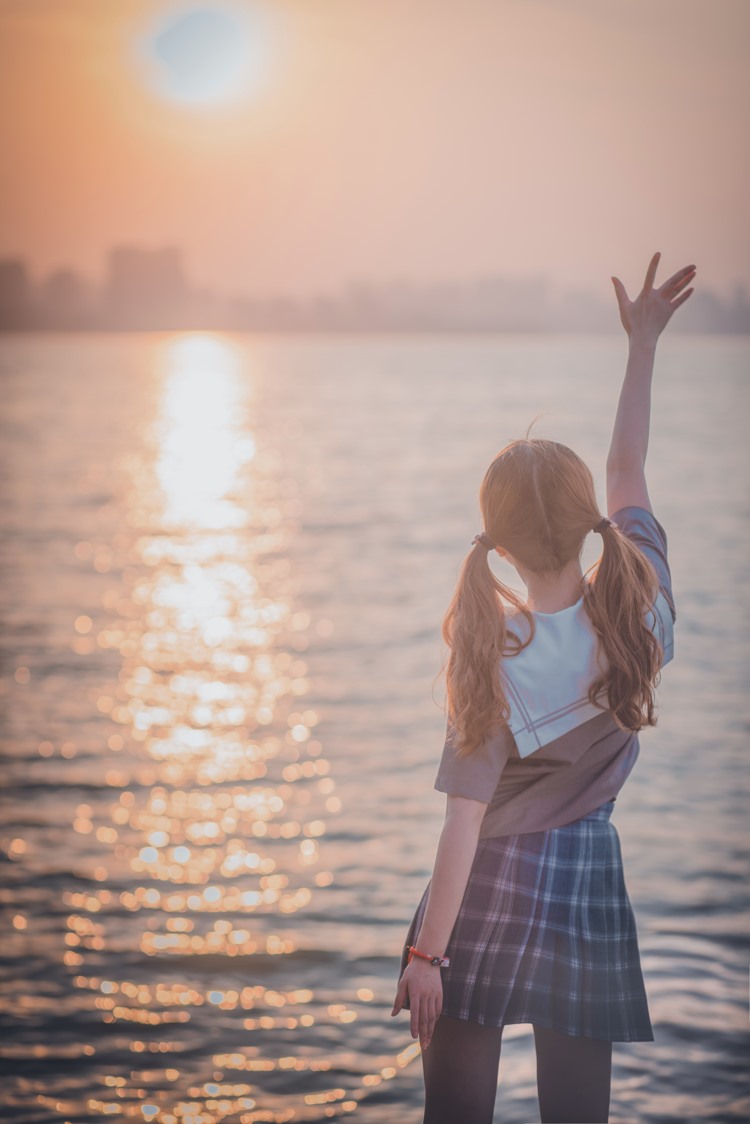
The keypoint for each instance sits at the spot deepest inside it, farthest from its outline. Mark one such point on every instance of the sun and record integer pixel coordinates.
(204, 55)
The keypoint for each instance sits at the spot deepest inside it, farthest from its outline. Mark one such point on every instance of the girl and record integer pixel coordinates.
(526, 918)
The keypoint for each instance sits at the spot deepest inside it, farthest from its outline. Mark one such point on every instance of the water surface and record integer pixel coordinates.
(225, 561)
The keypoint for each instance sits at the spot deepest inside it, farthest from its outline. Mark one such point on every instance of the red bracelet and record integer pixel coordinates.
(438, 961)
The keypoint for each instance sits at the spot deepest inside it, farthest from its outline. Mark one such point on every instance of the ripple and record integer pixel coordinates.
(220, 731)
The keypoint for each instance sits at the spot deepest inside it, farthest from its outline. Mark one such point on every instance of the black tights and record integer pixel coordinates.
(461, 1068)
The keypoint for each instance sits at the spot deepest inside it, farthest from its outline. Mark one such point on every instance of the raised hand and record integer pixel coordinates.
(647, 316)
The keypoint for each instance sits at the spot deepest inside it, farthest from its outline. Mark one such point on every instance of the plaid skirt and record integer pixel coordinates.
(546, 934)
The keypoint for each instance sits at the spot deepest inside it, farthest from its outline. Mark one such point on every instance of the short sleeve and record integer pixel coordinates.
(644, 529)
(476, 775)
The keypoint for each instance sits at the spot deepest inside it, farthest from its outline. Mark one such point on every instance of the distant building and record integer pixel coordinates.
(145, 289)
(16, 296)
(65, 301)
(148, 289)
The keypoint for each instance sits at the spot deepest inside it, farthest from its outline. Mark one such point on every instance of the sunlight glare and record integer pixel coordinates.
(205, 55)
(202, 444)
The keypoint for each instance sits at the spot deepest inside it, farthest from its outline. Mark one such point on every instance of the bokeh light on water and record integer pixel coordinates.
(224, 562)
(204, 795)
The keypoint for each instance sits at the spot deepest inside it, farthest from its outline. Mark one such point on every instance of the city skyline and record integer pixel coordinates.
(150, 288)
(408, 140)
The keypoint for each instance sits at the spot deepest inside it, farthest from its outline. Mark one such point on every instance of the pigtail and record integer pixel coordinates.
(474, 627)
(617, 599)
(538, 503)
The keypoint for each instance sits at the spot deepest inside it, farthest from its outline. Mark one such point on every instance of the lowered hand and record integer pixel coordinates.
(423, 984)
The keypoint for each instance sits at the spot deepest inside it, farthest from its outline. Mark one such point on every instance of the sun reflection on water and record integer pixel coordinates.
(222, 792)
(201, 447)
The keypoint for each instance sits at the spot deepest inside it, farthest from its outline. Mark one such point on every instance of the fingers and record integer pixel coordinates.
(678, 279)
(681, 300)
(430, 1024)
(620, 290)
(681, 284)
(427, 1021)
(423, 1015)
(415, 1020)
(398, 1002)
(437, 1004)
(651, 272)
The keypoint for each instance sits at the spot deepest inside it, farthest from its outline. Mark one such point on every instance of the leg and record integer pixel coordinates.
(460, 1072)
(573, 1077)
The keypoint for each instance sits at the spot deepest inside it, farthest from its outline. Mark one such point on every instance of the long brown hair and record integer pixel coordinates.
(538, 502)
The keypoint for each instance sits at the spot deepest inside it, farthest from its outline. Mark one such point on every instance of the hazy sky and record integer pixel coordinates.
(383, 139)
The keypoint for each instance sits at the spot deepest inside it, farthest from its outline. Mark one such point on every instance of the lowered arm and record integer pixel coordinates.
(455, 853)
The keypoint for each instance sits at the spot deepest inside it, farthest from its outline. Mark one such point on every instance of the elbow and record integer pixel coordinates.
(625, 463)
(626, 476)
(626, 487)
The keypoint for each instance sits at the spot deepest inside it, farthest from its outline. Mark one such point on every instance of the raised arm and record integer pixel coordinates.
(644, 319)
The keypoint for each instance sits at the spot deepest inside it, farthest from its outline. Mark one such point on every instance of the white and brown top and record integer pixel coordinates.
(558, 757)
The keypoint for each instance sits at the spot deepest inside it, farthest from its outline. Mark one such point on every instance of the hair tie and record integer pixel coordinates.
(602, 525)
(484, 539)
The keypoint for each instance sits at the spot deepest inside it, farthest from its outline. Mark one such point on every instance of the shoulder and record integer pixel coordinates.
(643, 528)
(638, 522)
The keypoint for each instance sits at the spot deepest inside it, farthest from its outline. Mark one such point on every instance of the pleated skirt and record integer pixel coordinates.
(546, 934)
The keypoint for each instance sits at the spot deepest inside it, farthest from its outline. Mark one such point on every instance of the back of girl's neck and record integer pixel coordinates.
(553, 592)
